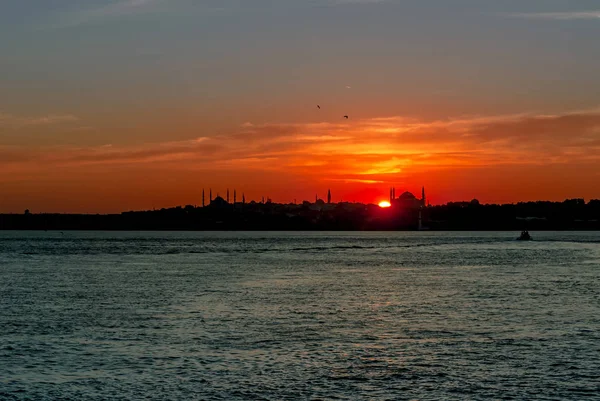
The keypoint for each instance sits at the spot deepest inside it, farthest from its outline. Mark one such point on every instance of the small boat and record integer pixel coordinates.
(524, 236)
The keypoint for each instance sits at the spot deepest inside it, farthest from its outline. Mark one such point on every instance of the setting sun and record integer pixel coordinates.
(384, 204)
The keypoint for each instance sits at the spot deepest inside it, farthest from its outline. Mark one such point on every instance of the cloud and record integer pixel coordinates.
(567, 15)
(123, 7)
(359, 181)
(371, 150)
(113, 9)
(343, 2)
(16, 122)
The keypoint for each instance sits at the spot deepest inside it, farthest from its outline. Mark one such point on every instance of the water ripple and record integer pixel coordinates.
(237, 316)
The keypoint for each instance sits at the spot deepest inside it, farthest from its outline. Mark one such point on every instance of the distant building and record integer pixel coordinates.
(317, 206)
(219, 202)
(409, 201)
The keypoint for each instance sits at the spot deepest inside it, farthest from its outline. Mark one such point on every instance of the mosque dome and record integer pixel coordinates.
(219, 202)
(407, 196)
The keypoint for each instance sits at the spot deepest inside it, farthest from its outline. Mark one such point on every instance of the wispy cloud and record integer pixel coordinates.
(342, 2)
(127, 8)
(355, 180)
(371, 150)
(16, 122)
(122, 7)
(567, 15)
(114, 9)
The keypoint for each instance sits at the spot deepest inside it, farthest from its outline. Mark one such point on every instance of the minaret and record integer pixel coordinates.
(423, 200)
(234, 196)
(329, 196)
(316, 198)
(210, 196)
(243, 199)
(391, 195)
(227, 195)
(202, 197)
(263, 200)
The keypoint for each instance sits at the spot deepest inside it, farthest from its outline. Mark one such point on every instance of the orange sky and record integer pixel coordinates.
(502, 158)
(101, 111)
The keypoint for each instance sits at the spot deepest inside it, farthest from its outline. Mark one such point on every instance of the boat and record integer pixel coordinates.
(524, 236)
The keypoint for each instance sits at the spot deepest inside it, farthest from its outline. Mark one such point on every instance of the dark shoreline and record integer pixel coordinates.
(570, 215)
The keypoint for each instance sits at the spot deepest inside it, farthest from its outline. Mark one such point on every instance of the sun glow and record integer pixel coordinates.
(384, 204)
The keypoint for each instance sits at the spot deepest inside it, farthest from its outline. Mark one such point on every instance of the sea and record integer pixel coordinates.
(299, 316)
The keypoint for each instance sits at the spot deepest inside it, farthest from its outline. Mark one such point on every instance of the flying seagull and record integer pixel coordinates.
(346, 117)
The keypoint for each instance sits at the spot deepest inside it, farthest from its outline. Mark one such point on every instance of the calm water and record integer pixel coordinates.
(299, 316)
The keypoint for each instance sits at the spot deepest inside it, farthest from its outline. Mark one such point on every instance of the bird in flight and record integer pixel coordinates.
(346, 117)
(318, 107)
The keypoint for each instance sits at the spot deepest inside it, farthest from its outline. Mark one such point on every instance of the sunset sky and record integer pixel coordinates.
(112, 105)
